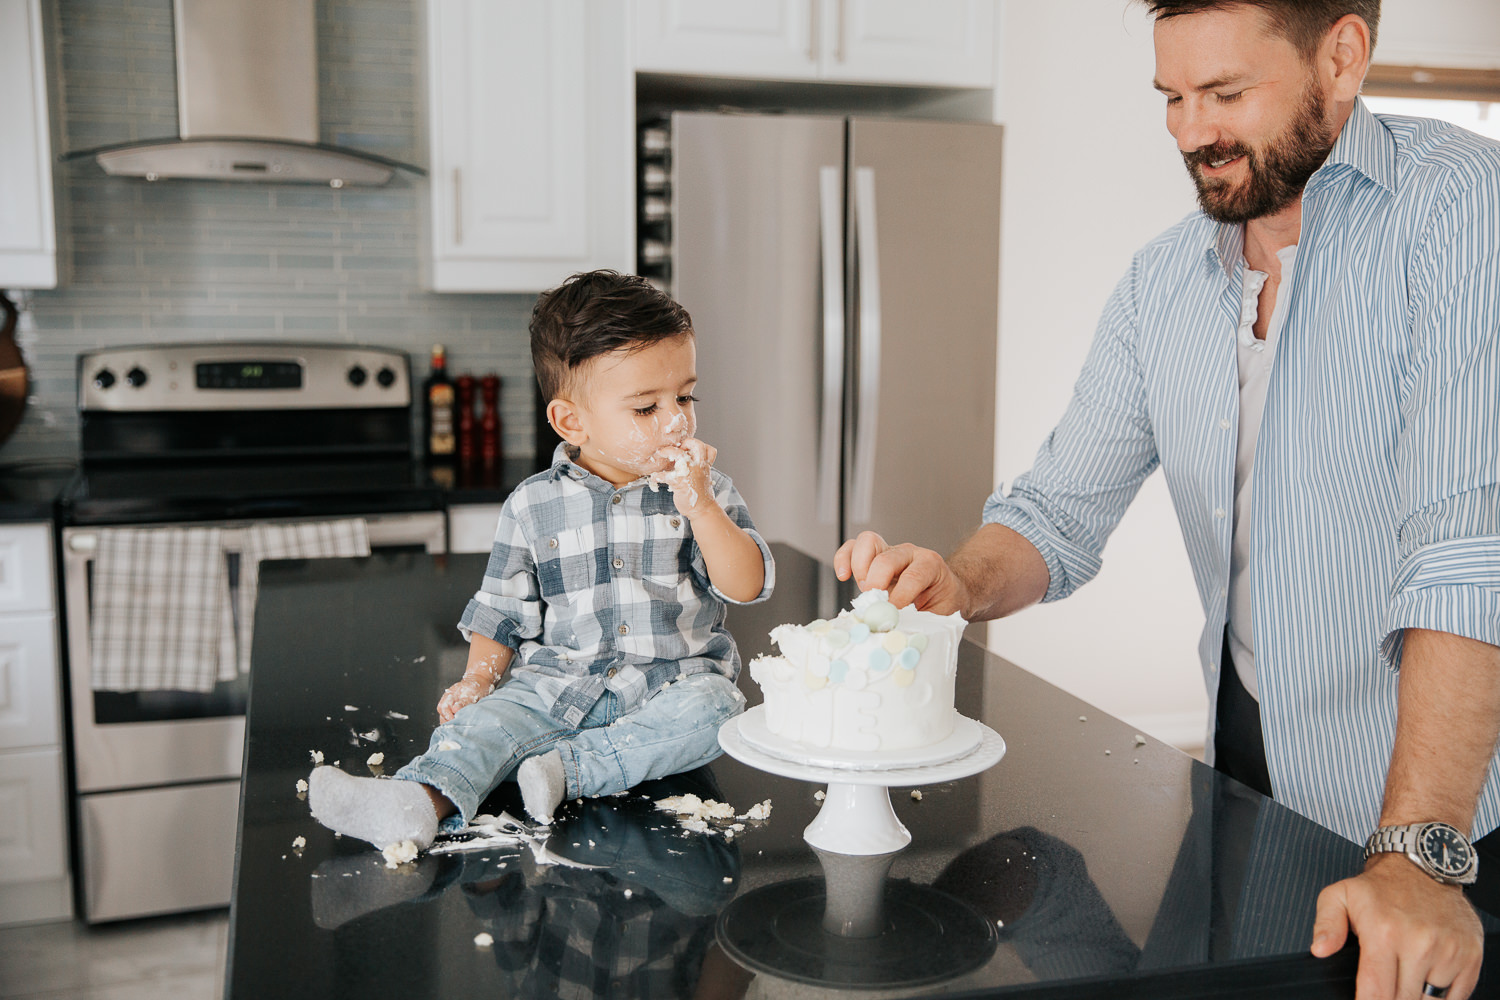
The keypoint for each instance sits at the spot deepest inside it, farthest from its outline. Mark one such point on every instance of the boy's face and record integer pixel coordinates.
(626, 405)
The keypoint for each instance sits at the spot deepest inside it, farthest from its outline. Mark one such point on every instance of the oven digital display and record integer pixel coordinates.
(249, 375)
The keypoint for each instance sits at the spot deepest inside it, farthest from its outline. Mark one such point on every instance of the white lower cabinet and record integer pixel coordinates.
(34, 882)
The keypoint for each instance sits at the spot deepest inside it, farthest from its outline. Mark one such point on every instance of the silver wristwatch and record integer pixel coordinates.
(1436, 848)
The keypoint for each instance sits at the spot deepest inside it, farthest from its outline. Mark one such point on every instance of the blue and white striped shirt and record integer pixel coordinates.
(603, 589)
(1377, 472)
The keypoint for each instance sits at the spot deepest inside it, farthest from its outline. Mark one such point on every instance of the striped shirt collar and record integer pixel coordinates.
(1363, 146)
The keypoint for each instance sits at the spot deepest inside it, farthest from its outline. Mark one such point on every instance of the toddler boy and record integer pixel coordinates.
(604, 596)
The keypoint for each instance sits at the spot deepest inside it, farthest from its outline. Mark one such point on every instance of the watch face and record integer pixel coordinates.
(1447, 851)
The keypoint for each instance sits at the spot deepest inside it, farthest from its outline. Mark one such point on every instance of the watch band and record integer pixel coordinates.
(1438, 849)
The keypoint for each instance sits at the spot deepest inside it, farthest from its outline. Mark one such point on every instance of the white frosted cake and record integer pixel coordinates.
(874, 679)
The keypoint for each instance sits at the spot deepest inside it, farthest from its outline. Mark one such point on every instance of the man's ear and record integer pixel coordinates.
(1347, 54)
(563, 416)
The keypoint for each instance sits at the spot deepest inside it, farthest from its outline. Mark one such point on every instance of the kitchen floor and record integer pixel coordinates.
(160, 958)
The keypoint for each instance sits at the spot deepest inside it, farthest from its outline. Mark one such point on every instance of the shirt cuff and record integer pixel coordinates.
(1450, 586)
(767, 585)
(490, 623)
(1010, 513)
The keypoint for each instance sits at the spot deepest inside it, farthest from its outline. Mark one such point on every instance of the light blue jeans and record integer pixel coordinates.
(674, 731)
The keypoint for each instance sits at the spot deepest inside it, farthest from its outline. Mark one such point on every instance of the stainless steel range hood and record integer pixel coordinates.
(247, 103)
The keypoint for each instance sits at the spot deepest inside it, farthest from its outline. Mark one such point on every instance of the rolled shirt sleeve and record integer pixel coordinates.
(508, 604)
(1448, 453)
(1093, 463)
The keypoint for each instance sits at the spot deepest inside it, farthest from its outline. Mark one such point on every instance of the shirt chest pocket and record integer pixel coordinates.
(666, 557)
(566, 563)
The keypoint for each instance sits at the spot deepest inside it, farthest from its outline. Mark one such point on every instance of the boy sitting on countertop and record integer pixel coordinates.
(604, 597)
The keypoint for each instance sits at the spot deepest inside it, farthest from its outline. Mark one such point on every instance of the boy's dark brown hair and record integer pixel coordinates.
(594, 313)
(1304, 23)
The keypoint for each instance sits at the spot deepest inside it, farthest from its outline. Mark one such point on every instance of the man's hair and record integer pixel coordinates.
(1304, 23)
(594, 313)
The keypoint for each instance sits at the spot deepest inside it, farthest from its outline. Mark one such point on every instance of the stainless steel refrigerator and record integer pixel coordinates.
(843, 279)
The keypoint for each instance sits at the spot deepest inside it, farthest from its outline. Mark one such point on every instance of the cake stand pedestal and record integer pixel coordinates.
(857, 817)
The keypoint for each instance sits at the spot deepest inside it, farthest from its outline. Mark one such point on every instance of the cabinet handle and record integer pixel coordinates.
(838, 39)
(868, 335)
(458, 206)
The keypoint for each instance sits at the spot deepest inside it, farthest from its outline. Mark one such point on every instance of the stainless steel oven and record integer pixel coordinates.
(231, 437)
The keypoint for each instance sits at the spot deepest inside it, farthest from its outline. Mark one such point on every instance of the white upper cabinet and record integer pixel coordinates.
(946, 43)
(28, 230)
(531, 112)
(768, 39)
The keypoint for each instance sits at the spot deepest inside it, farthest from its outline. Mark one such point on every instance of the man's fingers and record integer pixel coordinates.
(841, 560)
(1331, 926)
(867, 548)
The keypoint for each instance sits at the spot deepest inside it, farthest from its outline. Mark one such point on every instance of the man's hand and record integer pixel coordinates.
(910, 575)
(1412, 930)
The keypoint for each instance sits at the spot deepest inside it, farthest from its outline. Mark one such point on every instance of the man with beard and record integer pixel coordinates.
(1341, 508)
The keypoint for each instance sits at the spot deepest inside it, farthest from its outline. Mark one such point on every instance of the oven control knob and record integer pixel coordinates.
(386, 377)
(136, 377)
(357, 376)
(104, 379)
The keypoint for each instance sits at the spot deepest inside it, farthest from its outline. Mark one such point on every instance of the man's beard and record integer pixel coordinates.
(1278, 172)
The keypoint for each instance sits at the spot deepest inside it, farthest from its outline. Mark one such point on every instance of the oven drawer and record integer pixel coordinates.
(159, 850)
(25, 568)
(28, 681)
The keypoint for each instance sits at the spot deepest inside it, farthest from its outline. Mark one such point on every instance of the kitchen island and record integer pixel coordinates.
(1089, 861)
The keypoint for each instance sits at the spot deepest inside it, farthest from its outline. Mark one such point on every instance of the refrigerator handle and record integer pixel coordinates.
(830, 204)
(868, 402)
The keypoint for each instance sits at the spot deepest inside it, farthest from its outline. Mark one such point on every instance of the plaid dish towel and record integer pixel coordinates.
(158, 594)
(306, 540)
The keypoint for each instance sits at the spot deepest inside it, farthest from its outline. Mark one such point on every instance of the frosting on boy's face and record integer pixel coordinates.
(632, 403)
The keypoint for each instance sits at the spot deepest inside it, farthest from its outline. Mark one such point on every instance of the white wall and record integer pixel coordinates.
(1090, 175)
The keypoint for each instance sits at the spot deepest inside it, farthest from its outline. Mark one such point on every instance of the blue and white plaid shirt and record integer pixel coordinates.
(1376, 492)
(603, 589)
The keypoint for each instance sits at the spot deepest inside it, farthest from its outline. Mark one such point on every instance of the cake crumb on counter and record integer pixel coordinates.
(400, 854)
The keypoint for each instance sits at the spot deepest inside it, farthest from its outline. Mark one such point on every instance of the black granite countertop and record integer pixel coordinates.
(29, 489)
(1087, 862)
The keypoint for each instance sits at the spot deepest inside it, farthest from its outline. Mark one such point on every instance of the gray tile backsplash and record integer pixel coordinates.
(203, 260)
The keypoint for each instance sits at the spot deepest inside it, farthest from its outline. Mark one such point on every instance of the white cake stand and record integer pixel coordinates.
(857, 817)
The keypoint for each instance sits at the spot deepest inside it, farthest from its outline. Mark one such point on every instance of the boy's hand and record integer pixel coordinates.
(688, 477)
(474, 686)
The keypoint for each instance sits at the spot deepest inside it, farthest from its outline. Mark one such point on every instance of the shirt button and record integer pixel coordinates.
(1223, 423)
(612, 671)
(617, 498)
(1218, 512)
(624, 629)
(676, 522)
(551, 543)
(617, 562)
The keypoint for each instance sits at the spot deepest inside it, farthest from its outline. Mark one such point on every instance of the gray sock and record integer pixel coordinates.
(541, 779)
(382, 811)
